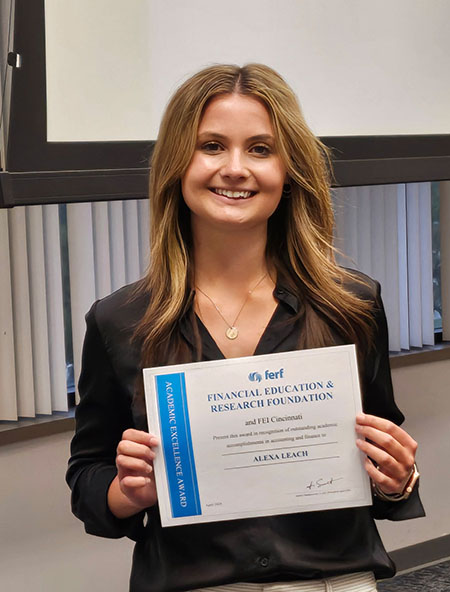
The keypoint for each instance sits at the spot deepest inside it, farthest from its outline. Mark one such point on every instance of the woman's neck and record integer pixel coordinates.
(233, 260)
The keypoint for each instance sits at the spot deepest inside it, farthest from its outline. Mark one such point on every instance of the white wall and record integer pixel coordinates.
(43, 548)
(422, 393)
(359, 67)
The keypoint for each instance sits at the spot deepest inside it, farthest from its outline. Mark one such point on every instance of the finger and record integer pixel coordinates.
(388, 464)
(388, 443)
(132, 482)
(384, 425)
(140, 437)
(136, 465)
(129, 448)
(384, 482)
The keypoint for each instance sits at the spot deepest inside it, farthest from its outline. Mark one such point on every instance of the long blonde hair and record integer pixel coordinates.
(300, 232)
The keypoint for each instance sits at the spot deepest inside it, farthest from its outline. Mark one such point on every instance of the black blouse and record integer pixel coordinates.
(290, 547)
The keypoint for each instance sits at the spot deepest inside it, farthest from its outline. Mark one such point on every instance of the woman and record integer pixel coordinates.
(241, 264)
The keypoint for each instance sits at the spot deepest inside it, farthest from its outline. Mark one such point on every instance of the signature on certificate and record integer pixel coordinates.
(322, 482)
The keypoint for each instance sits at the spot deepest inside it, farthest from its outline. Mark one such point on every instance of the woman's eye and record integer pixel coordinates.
(261, 150)
(211, 147)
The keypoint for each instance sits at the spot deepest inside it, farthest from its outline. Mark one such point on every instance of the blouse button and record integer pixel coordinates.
(264, 561)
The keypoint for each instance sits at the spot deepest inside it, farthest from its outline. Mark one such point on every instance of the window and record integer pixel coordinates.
(57, 260)
(391, 233)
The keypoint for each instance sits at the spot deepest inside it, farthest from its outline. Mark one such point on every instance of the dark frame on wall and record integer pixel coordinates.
(39, 172)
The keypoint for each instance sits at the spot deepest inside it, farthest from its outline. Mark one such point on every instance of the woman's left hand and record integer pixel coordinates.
(391, 449)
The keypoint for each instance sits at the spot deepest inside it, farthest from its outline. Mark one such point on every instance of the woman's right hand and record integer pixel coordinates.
(133, 489)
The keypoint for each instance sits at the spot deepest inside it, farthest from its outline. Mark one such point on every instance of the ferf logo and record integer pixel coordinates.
(255, 376)
(268, 375)
(271, 375)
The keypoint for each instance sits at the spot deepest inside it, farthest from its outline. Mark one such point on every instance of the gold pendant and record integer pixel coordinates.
(231, 332)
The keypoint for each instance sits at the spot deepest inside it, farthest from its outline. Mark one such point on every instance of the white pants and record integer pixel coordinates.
(357, 582)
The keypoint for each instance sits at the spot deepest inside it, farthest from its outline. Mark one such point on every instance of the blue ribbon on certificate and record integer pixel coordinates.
(177, 445)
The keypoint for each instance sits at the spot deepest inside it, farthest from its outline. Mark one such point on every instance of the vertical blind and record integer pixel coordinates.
(107, 245)
(384, 231)
(108, 248)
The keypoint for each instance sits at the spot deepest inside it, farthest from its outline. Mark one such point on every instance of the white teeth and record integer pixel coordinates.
(234, 194)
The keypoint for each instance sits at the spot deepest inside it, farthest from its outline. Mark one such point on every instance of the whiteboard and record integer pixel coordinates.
(358, 67)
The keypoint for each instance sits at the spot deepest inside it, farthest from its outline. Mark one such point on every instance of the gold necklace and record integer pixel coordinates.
(232, 331)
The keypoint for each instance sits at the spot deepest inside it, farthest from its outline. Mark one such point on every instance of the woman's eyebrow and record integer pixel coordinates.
(262, 138)
(257, 138)
(208, 135)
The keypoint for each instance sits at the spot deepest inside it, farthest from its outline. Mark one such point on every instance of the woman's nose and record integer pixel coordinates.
(234, 166)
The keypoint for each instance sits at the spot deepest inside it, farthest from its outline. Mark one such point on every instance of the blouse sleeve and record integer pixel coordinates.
(102, 415)
(379, 400)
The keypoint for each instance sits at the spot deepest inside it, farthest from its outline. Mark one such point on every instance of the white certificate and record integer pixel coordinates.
(257, 436)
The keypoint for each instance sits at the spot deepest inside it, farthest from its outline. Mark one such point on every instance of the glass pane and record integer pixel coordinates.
(66, 304)
(436, 257)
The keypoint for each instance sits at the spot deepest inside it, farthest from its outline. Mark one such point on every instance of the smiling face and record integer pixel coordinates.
(235, 177)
